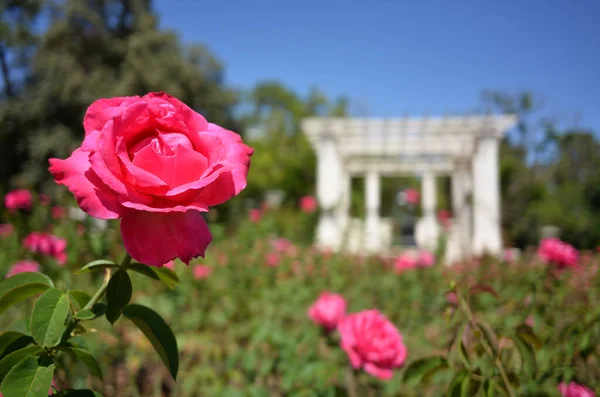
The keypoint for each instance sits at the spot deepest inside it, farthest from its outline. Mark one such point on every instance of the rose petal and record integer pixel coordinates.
(385, 374)
(102, 110)
(156, 238)
(93, 196)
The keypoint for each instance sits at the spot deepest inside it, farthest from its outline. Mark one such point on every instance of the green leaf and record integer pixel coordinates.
(158, 332)
(118, 295)
(22, 286)
(167, 276)
(488, 387)
(483, 288)
(489, 335)
(418, 369)
(526, 333)
(11, 341)
(163, 274)
(527, 356)
(13, 358)
(78, 299)
(86, 358)
(98, 310)
(49, 317)
(97, 265)
(78, 393)
(455, 388)
(28, 379)
(146, 270)
(470, 386)
(462, 349)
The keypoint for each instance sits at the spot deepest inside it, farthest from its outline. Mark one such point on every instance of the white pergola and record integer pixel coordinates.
(464, 147)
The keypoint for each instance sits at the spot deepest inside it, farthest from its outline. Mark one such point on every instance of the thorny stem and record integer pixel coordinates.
(496, 360)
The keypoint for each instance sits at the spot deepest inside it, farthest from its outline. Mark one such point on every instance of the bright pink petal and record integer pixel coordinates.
(183, 166)
(94, 197)
(384, 374)
(156, 238)
(102, 110)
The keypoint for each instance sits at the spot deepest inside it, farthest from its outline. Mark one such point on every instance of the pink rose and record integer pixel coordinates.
(255, 215)
(425, 259)
(328, 310)
(58, 212)
(20, 199)
(444, 217)
(574, 390)
(23, 266)
(411, 196)
(273, 259)
(405, 261)
(553, 250)
(46, 244)
(6, 229)
(169, 265)
(202, 271)
(308, 204)
(157, 165)
(373, 343)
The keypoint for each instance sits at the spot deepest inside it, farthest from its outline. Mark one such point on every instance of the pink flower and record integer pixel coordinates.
(552, 250)
(530, 321)
(169, 265)
(273, 259)
(46, 244)
(23, 267)
(6, 229)
(157, 165)
(444, 217)
(202, 271)
(44, 199)
(405, 261)
(58, 212)
(19, 199)
(328, 310)
(425, 259)
(308, 204)
(574, 390)
(255, 215)
(411, 196)
(284, 246)
(373, 343)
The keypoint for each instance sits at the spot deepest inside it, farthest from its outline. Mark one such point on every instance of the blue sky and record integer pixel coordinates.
(393, 57)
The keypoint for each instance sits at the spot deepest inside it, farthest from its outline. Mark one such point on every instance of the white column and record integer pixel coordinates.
(343, 210)
(427, 229)
(373, 203)
(329, 191)
(459, 242)
(486, 198)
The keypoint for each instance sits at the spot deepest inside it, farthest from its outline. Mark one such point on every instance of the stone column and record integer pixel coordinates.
(373, 204)
(459, 242)
(329, 191)
(343, 211)
(427, 229)
(486, 198)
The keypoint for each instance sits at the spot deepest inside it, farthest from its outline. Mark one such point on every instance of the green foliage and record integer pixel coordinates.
(49, 316)
(22, 286)
(28, 379)
(118, 294)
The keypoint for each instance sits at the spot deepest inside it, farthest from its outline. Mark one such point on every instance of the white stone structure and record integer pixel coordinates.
(464, 147)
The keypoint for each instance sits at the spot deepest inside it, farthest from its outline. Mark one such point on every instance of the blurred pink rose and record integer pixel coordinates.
(530, 321)
(273, 259)
(23, 266)
(425, 259)
(46, 244)
(308, 204)
(405, 261)
(6, 229)
(255, 215)
(20, 199)
(58, 212)
(373, 343)
(445, 218)
(157, 165)
(452, 298)
(574, 390)
(202, 271)
(411, 196)
(328, 310)
(284, 246)
(44, 199)
(553, 250)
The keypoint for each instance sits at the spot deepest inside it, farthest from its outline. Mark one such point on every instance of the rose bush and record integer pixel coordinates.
(328, 310)
(155, 164)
